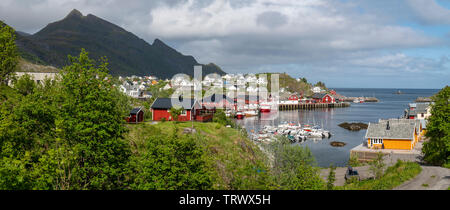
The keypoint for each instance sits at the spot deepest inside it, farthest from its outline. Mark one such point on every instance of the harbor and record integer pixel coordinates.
(295, 132)
(390, 106)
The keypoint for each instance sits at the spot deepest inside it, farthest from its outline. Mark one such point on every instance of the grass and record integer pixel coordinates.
(393, 177)
(425, 185)
(235, 159)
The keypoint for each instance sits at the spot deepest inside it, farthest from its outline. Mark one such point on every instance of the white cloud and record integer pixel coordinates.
(430, 12)
(328, 37)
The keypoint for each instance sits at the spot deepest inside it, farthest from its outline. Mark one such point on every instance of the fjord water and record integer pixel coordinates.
(391, 105)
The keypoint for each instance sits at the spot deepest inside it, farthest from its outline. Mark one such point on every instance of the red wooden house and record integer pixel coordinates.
(293, 97)
(161, 109)
(136, 116)
(323, 98)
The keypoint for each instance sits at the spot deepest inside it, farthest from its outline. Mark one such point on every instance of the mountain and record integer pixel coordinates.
(127, 54)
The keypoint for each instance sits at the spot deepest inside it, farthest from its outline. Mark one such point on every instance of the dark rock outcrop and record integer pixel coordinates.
(353, 126)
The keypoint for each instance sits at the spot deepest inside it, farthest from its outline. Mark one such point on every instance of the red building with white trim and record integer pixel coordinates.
(323, 98)
(161, 109)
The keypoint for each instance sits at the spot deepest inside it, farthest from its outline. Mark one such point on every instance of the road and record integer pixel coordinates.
(431, 178)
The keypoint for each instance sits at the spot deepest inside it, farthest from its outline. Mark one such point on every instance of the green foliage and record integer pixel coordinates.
(172, 162)
(65, 134)
(221, 118)
(331, 178)
(437, 149)
(176, 112)
(377, 165)
(393, 177)
(24, 85)
(92, 124)
(353, 161)
(293, 167)
(232, 161)
(158, 91)
(8, 53)
(321, 85)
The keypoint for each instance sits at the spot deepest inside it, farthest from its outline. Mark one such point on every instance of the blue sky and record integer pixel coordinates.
(346, 43)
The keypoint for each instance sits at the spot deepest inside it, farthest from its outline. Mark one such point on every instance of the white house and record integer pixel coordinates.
(317, 90)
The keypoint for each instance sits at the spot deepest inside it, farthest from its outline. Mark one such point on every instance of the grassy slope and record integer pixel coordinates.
(291, 84)
(393, 177)
(233, 157)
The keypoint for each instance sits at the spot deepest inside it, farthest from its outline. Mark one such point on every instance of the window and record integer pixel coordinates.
(377, 141)
(183, 113)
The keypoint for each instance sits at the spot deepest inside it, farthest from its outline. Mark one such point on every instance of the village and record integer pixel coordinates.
(247, 96)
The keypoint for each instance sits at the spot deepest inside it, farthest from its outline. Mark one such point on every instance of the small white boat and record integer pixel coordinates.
(251, 113)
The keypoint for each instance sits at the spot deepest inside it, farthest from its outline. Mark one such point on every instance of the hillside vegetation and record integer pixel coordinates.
(292, 85)
(233, 160)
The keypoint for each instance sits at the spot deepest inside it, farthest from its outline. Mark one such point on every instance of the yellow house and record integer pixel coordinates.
(393, 134)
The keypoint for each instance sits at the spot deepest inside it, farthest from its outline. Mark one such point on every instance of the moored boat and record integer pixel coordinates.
(240, 115)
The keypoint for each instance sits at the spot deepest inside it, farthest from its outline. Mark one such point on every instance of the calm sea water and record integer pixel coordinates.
(390, 106)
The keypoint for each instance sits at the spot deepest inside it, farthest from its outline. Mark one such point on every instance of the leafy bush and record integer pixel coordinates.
(171, 163)
(293, 167)
(437, 149)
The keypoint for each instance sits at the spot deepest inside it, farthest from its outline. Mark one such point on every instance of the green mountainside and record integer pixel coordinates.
(127, 54)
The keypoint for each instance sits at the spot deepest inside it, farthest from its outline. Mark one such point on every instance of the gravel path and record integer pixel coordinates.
(431, 178)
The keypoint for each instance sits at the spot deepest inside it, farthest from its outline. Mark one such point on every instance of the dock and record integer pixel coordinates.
(287, 107)
(423, 99)
(365, 154)
(366, 99)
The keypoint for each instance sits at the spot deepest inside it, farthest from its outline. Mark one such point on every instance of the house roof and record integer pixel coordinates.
(395, 131)
(166, 103)
(136, 110)
(416, 122)
(319, 95)
(216, 98)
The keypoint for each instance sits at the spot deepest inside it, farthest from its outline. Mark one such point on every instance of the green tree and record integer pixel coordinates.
(331, 178)
(91, 124)
(24, 85)
(172, 162)
(437, 149)
(175, 112)
(377, 166)
(8, 53)
(293, 167)
(221, 118)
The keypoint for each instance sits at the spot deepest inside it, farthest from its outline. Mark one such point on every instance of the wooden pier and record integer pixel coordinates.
(365, 99)
(287, 107)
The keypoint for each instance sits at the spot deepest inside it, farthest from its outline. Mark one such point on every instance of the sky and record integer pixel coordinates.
(343, 43)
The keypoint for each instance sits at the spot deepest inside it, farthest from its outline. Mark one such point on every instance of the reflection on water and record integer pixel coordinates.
(390, 106)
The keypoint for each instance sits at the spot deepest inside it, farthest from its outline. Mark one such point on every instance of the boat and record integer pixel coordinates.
(251, 113)
(240, 115)
(359, 100)
(265, 108)
(399, 92)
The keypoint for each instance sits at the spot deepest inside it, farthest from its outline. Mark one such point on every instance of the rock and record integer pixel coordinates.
(189, 130)
(353, 126)
(337, 144)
